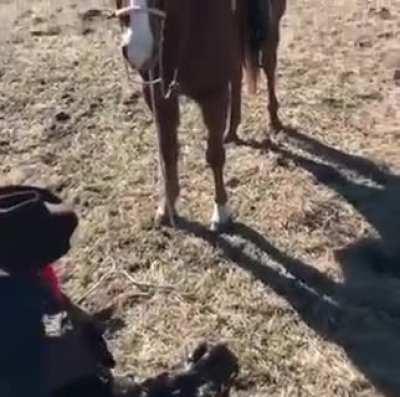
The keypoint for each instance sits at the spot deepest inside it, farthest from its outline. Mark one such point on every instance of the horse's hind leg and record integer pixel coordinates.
(235, 108)
(214, 110)
(168, 117)
(270, 56)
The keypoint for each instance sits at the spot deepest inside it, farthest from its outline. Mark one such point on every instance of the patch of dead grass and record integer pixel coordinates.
(102, 159)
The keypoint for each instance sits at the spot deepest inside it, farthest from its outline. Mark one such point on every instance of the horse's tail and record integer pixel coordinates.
(258, 18)
(251, 66)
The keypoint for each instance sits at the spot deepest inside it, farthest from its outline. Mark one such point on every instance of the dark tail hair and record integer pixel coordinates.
(255, 32)
(251, 68)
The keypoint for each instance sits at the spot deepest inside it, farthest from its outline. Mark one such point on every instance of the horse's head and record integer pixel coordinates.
(142, 22)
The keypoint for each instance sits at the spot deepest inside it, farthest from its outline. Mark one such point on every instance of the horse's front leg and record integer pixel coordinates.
(166, 116)
(214, 109)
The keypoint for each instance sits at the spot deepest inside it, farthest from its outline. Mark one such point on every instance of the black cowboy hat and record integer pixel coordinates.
(35, 228)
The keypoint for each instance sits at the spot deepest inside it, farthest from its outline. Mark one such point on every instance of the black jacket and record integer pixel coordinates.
(46, 345)
(21, 333)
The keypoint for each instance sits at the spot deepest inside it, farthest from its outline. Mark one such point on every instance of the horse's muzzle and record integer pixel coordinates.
(145, 67)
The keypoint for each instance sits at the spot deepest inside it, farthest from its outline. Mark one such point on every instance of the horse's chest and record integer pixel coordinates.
(212, 52)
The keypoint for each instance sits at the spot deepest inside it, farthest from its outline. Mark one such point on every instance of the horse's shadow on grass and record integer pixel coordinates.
(362, 314)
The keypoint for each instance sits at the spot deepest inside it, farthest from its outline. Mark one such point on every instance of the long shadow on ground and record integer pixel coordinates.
(374, 192)
(362, 314)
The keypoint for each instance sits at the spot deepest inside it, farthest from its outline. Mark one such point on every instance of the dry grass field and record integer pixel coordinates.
(306, 287)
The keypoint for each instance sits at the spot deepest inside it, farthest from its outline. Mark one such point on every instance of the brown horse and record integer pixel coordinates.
(199, 48)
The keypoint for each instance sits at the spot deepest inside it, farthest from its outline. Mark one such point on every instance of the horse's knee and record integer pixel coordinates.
(169, 154)
(169, 146)
(215, 155)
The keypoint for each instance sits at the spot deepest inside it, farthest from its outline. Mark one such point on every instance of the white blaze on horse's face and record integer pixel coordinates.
(138, 40)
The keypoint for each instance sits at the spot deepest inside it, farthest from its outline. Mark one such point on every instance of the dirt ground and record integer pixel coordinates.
(305, 289)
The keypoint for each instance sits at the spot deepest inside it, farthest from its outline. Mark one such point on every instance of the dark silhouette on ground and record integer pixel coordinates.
(371, 189)
(362, 314)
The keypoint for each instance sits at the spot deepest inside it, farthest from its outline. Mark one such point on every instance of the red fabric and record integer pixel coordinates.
(51, 279)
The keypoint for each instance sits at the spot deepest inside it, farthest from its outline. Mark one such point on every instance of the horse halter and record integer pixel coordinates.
(135, 8)
(157, 12)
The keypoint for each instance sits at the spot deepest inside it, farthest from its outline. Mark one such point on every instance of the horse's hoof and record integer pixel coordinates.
(222, 219)
(221, 227)
(277, 126)
(277, 134)
(231, 138)
(163, 218)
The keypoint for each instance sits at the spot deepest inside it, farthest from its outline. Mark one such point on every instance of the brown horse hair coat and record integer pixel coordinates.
(202, 47)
